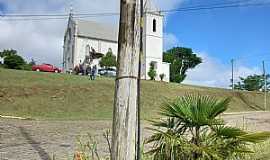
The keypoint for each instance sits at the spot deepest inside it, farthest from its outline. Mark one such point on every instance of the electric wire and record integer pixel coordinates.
(26, 17)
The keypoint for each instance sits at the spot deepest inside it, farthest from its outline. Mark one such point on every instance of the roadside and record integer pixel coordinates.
(32, 140)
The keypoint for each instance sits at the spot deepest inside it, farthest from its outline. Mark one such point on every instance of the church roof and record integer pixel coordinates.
(150, 6)
(97, 30)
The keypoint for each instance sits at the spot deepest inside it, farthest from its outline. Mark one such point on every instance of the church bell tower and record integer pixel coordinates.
(152, 39)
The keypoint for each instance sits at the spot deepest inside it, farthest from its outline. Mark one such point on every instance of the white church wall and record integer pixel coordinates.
(165, 69)
(153, 48)
(161, 68)
(81, 48)
(149, 25)
(153, 38)
(106, 45)
(99, 46)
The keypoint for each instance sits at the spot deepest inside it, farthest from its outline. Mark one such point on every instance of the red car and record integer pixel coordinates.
(46, 68)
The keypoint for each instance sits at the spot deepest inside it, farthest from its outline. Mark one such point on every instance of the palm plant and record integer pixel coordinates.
(193, 130)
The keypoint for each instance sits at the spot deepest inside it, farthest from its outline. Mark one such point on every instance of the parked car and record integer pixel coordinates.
(45, 68)
(110, 72)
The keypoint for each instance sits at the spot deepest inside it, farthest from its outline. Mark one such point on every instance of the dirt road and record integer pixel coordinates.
(40, 140)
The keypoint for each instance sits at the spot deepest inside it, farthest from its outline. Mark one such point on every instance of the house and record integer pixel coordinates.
(85, 42)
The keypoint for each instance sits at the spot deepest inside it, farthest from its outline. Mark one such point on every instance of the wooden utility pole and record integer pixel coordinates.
(265, 86)
(124, 135)
(138, 157)
(232, 62)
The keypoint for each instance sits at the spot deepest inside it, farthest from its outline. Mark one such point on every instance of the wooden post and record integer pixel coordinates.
(265, 86)
(232, 63)
(125, 101)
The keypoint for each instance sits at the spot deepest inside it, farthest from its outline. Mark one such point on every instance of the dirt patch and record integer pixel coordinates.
(34, 140)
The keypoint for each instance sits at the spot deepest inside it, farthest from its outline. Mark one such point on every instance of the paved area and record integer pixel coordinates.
(40, 140)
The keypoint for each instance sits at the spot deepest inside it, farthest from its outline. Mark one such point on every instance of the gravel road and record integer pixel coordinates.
(40, 140)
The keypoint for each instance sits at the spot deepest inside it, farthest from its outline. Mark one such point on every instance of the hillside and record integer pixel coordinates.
(62, 96)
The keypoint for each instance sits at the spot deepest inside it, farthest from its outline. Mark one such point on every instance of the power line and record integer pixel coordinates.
(33, 15)
(205, 5)
(33, 19)
(236, 4)
(52, 18)
(216, 7)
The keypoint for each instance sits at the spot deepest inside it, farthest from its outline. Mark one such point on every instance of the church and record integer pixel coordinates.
(85, 42)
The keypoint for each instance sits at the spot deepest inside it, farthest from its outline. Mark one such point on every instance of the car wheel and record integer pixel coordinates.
(56, 71)
(37, 70)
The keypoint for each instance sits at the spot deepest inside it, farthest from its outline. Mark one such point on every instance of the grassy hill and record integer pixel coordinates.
(62, 96)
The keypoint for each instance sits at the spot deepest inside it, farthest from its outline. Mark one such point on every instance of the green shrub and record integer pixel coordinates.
(152, 71)
(14, 62)
(194, 131)
(109, 60)
(161, 76)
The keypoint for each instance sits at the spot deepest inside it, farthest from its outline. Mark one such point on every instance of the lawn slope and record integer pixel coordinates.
(61, 96)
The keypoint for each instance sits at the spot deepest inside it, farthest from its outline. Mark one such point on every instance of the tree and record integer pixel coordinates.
(14, 61)
(152, 73)
(194, 131)
(181, 59)
(125, 112)
(252, 83)
(7, 52)
(109, 60)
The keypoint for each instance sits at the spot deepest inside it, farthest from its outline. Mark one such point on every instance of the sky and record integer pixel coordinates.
(216, 35)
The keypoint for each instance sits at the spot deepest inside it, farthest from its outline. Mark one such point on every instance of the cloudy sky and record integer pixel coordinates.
(216, 35)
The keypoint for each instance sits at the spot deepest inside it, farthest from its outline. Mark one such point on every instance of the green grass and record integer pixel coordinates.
(49, 96)
(261, 151)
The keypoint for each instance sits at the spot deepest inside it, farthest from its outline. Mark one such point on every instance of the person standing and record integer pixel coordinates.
(93, 73)
(88, 71)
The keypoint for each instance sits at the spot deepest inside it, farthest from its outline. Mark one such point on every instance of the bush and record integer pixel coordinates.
(194, 130)
(14, 62)
(161, 76)
(109, 60)
(152, 71)
(27, 67)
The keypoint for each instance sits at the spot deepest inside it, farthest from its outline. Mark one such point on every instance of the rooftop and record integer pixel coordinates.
(97, 30)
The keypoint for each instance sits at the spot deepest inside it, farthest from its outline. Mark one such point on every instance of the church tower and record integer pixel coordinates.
(153, 41)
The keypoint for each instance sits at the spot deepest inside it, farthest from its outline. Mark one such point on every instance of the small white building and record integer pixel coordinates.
(82, 37)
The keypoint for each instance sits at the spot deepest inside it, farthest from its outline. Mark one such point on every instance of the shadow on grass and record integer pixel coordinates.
(36, 145)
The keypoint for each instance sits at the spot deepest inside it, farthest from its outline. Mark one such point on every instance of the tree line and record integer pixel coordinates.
(253, 83)
(12, 60)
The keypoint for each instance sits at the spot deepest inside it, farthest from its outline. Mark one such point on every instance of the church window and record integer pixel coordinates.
(154, 25)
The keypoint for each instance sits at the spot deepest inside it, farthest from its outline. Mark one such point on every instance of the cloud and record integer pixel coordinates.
(212, 72)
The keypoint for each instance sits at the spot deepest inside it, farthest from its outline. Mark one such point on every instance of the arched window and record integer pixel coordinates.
(87, 50)
(154, 25)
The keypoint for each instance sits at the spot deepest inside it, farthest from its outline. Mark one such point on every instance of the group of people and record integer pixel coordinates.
(88, 70)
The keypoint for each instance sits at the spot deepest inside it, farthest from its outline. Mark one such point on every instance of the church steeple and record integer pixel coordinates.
(71, 11)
